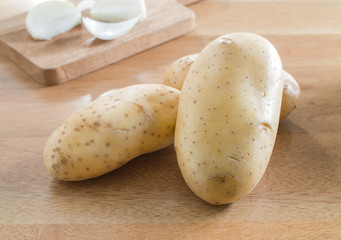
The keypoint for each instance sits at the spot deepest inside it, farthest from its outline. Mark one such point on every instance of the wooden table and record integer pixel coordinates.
(299, 196)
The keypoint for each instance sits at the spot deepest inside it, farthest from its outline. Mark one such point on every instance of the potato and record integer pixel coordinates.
(228, 117)
(291, 93)
(115, 128)
(176, 73)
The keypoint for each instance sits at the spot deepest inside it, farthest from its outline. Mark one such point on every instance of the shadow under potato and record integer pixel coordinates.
(148, 187)
(299, 164)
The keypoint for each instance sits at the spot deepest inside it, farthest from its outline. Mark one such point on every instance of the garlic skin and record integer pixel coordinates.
(49, 19)
(109, 31)
(118, 10)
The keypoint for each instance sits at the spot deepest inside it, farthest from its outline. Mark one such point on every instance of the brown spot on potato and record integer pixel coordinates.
(265, 126)
(57, 149)
(63, 160)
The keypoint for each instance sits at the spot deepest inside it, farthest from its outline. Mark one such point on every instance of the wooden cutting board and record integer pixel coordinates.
(77, 53)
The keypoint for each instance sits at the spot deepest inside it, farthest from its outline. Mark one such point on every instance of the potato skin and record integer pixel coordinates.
(176, 73)
(228, 117)
(115, 128)
(291, 93)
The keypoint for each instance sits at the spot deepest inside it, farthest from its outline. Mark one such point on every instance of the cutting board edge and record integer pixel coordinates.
(25, 64)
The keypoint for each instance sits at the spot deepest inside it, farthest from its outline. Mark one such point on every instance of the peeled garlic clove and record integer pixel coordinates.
(118, 10)
(85, 5)
(113, 18)
(109, 31)
(49, 19)
(143, 8)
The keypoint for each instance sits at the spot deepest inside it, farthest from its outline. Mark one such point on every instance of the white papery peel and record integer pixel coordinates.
(110, 19)
(49, 19)
(109, 31)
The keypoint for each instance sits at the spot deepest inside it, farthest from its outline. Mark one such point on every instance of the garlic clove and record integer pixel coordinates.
(109, 31)
(49, 19)
(85, 5)
(118, 10)
(143, 8)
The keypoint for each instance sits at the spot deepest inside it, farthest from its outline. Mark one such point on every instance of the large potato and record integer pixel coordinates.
(115, 128)
(228, 116)
(176, 73)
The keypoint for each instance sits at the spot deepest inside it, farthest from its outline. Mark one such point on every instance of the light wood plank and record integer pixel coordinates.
(298, 197)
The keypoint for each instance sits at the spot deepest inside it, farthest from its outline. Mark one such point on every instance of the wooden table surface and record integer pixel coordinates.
(299, 196)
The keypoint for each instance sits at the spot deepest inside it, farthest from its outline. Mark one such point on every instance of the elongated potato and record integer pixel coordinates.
(115, 128)
(228, 116)
(291, 93)
(176, 73)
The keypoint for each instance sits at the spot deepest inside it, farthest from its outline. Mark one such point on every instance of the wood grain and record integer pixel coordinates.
(82, 53)
(299, 196)
(268, 17)
(200, 231)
